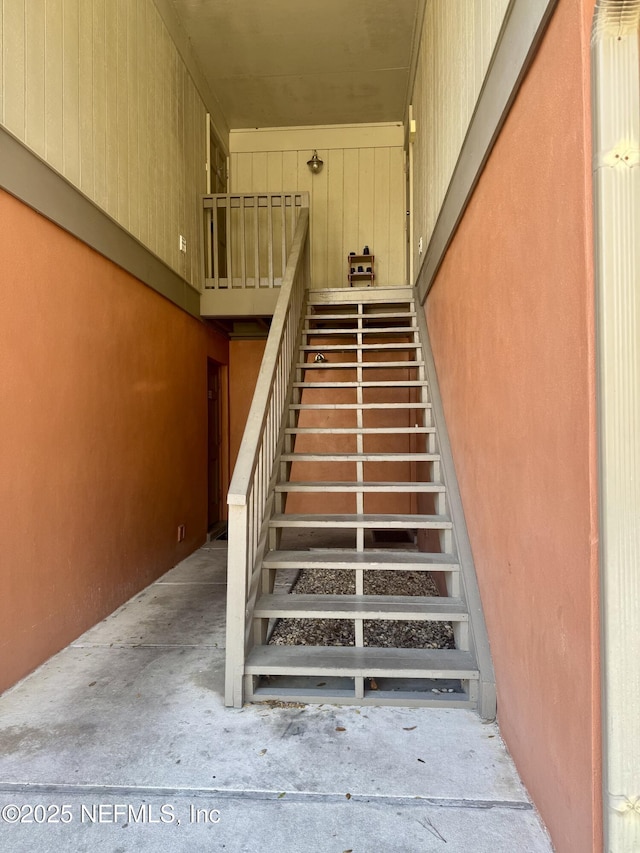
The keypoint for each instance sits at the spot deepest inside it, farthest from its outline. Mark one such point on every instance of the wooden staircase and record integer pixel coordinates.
(364, 461)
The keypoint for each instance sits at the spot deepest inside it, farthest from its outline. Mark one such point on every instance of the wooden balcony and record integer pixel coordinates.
(247, 243)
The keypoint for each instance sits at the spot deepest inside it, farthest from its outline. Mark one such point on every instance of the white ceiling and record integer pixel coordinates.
(277, 63)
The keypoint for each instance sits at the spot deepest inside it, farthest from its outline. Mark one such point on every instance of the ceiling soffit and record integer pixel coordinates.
(279, 63)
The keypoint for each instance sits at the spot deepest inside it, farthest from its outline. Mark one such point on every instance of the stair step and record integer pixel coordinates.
(365, 521)
(416, 430)
(359, 457)
(288, 689)
(354, 661)
(357, 328)
(378, 315)
(338, 365)
(382, 330)
(405, 608)
(395, 383)
(386, 295)
(345, 347)
(344, 406)
(370, 560)
(412, 488)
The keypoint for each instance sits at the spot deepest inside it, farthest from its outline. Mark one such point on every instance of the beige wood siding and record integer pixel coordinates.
(356, 200)
(457, 41)
(98, 89)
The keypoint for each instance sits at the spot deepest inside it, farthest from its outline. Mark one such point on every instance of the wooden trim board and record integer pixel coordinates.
(522, 30)
(24, 175)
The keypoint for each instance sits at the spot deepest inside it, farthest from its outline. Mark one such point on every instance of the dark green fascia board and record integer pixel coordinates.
(31, 180)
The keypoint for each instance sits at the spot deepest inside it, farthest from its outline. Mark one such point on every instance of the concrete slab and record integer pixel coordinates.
(133, 713)
(185, 607)
(155, 717)
(207, 565)
(278, 825)
(164, 614)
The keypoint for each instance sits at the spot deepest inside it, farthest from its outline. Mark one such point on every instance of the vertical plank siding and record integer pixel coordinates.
(351, 193)
(98, 89)
(1, 64)
(71, 92)
(356, 200)
(53, 84)
(99, 105)
(13, 66)
(456, 46)
(85, 104)
(34, 76)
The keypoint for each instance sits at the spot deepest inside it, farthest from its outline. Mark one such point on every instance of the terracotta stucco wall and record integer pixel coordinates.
(245, 358)
(103, 431)
(511, 320)
(319, 471)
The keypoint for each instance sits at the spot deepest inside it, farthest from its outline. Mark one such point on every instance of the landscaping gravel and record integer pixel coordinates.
(381, 633)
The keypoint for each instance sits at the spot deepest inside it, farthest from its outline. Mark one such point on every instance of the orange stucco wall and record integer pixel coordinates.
(511, 321)
(245, 358)
(320, 471)
(103, 431)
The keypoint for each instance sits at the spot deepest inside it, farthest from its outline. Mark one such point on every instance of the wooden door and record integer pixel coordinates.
(214, 420)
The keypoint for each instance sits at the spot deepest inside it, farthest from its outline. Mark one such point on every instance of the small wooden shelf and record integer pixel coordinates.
(354, 262)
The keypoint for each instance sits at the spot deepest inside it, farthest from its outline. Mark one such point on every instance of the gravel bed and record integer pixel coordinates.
(380, 633)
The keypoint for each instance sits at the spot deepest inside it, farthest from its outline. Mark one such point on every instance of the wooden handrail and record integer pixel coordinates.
(249, 492)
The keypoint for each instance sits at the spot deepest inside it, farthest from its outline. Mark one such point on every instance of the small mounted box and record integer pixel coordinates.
(361, 270)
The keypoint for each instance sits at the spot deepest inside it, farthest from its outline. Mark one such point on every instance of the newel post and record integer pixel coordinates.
(236, 602)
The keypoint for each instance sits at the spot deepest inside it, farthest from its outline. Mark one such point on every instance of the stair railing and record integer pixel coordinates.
(248, 238)
(250, 496)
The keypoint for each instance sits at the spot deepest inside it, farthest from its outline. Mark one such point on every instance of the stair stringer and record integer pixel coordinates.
(470, 590)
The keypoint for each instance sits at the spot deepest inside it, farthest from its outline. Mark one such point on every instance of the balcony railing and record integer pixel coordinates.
(248, 238)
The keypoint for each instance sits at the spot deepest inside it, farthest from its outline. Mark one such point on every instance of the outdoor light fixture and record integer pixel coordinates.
(315, 164)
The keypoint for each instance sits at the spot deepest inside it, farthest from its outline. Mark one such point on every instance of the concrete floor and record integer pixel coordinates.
(122, 742)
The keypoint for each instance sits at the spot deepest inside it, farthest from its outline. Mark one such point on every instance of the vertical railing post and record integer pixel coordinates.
(236, 603)
(270, 274)
(214, 236)
(283, 235)
(256, 242)
(243, 242)
(208, 224)
(229, 239)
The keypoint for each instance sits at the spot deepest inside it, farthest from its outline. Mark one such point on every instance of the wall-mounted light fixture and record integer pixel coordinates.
(315, 164)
